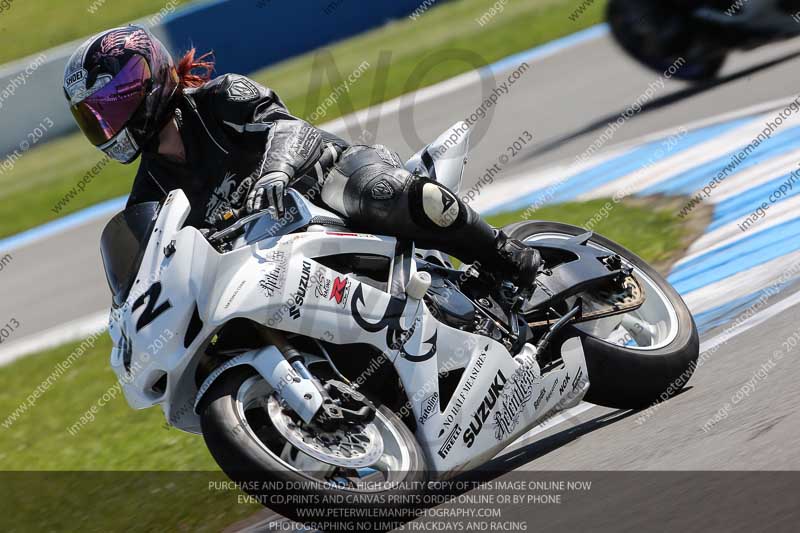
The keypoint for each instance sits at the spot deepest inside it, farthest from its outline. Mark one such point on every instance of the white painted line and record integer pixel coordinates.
(444, 88)
(496, 195)
(741, 284)
(522, 183)
(52, 338)
(340, 125)
(730, 233)
(104, 210)
(683, 160)
(756, 175)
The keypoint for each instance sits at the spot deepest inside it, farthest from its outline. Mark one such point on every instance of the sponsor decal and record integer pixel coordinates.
(321, 284)
(242, 90)
(396, 334)
(123, 147)
(270, 281)
(577, 380)
(427, 407)
(539, 399)
(551, 391)
(516, 394)
(450, 441)
(78, 57)
(300, 295)
(459, 401)
(278, 257)
(74, 78)
(484, 409)
(383, 190)
(563, 386)
(273, 276)
(235, 294)
(359, 235)
(340, 290)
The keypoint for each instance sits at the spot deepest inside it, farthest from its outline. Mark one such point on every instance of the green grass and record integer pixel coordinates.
(30, 26)
(649, 229)
(45, 174)
(41, 178)
(123, 440)
(120, 439)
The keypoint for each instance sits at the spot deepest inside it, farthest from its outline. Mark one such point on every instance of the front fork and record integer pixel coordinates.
(328, 405)
(287, 376)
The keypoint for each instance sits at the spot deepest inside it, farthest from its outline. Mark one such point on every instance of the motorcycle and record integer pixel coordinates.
(354, 364)
(697, 36)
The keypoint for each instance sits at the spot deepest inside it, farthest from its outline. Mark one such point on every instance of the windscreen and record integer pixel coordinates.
(123, 244)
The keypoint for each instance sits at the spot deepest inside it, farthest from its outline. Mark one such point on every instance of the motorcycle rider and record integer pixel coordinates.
(231, 144)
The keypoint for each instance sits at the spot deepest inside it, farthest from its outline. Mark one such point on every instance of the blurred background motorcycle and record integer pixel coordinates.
(659, 32)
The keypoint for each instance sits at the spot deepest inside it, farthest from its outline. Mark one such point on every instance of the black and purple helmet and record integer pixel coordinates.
(121, 86)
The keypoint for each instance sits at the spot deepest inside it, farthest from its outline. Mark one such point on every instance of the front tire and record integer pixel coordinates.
(626, 377)
(244, 452)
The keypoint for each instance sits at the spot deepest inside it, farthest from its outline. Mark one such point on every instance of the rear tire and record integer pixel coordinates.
(243, 458)
(621, 377)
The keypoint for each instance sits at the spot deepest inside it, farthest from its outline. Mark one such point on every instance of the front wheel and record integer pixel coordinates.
(637, 358)
(368, 467)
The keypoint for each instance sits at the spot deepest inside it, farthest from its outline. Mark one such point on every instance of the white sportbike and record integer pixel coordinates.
(303, 351)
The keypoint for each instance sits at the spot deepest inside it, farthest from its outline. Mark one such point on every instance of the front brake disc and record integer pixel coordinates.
(352, 446)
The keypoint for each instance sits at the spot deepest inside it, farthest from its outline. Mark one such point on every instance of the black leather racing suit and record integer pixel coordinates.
(234, 131)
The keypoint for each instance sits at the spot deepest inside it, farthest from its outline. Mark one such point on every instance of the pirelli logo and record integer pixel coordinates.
(450, 441)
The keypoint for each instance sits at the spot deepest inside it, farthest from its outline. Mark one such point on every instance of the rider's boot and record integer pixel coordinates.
(517, 261)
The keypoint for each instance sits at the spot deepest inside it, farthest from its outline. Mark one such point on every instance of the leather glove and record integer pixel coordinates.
(268, 192)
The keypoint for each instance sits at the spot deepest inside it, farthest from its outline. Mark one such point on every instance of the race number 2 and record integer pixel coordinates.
(151, 310)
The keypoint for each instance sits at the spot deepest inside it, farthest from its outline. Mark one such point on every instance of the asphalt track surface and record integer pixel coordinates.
(565, 101)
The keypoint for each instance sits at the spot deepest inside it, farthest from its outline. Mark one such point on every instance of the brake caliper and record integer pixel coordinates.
(344, 405)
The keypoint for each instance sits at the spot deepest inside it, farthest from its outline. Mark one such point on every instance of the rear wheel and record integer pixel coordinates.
(637, 358)
(301, 473)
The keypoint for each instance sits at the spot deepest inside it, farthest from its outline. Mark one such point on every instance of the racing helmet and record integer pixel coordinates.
(121, 86)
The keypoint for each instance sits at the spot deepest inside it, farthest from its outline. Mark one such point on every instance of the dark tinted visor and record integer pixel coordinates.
(103, 114)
